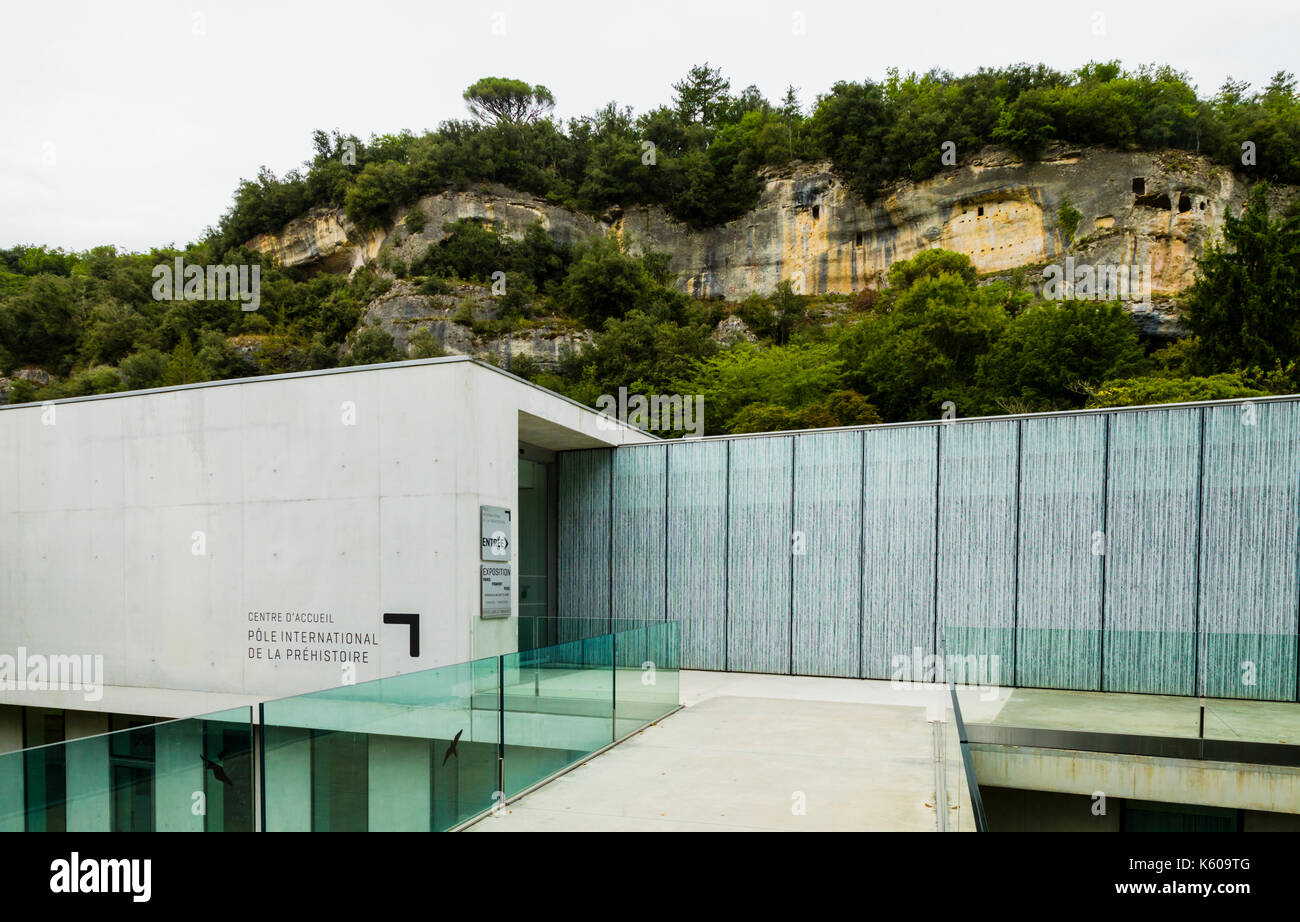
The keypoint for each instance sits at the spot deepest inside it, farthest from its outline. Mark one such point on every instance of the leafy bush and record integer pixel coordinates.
(373, 346)
(1068, 217)
(422, 344)
(1152, 390)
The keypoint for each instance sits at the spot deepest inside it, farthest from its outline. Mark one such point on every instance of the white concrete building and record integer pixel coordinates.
(227, 542)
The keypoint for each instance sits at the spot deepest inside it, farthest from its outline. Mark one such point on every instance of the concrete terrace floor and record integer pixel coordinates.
(746, 748)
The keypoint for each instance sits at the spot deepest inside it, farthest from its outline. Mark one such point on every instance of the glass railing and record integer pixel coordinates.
(958, 805)
(191, 775)
(413, 752)
(424, 751)
(1228, 696)
(428, 751)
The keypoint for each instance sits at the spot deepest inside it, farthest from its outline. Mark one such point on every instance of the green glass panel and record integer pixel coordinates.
(558, 707)
(154, 777)
(405, 753)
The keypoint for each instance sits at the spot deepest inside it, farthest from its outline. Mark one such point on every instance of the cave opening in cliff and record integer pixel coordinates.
(857, 239)
(1155, 200)
(817, 211)
(1139, 186)
(1184, 203)
(979, 212)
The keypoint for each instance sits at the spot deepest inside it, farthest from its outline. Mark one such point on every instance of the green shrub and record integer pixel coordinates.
(1068, 217)
(422, 344)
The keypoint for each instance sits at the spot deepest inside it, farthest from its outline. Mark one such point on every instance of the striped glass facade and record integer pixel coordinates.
(1152, 550)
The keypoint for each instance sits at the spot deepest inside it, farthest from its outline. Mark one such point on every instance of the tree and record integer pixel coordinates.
(840, 408)
(1027, 125)
(925, 352)
(144, 368)
(379, 188)
(470, 251)
(1131, 392)
(373, 346)
(422, 344)
(499, 100)
(790, 377)
(1244, 309)
(701, 96)
(41, 324)
(603, 283)
(644, 354)
(182, 368)
(932, 264)
(111, 332)
(1051, 353)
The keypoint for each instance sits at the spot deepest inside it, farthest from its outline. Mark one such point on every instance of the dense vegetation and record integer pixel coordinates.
(700, 155)
(936, 334)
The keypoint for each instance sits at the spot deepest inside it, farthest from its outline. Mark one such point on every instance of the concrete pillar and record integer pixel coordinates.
(178, 777)
(88, 779)
(288, 779)
(400, 784)
(12, 793)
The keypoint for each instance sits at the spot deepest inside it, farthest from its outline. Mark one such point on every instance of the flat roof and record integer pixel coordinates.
(659, 440)
(1009, 417)
(346, 369)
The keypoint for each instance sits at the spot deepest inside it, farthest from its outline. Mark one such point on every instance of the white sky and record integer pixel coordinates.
(122, 125)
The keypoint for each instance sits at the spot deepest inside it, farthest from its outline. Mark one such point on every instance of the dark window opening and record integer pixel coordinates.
(817, 210)
(131, 762)
(1139, 186)
(1202, 206)
(857, 239)
(44, 770)
(1184, 203)
(340, 781)
(1155, 200)
(979, 213)
(230, 806)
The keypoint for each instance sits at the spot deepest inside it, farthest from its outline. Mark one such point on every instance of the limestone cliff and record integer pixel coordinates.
(1156, 210)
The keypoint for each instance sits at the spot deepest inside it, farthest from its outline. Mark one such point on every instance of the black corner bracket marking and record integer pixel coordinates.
(410, 620)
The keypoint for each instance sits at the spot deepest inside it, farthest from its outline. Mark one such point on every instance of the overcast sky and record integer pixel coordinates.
(132, 122)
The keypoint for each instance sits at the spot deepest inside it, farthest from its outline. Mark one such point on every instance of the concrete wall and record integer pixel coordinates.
(1012, 810)
(1234, 785)
(144, 528)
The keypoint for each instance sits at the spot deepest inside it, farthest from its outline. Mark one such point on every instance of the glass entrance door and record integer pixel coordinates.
(534, 557)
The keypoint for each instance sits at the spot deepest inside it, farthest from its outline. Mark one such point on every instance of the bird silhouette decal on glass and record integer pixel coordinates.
(451, 750)
(215, 766)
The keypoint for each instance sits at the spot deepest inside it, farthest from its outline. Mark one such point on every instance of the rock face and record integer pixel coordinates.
(452, 318)
(1154, 211)
(328, 240)
(34, 376)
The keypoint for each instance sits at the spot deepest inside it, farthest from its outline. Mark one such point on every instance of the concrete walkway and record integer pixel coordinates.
(758, 752)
